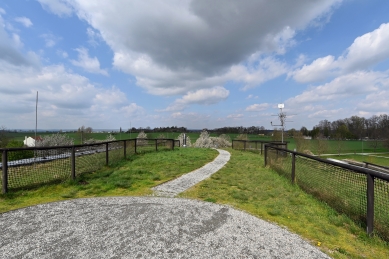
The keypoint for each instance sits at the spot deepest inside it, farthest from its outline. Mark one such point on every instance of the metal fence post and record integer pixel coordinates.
(106, 154)
(5, 171)
(135, 145)
(370, 205)
(293, 167)
(173, 144)
(73, 163)
(125, 149)
(265, 155)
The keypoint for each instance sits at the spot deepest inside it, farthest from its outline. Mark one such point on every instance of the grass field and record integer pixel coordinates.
(347, 146)
(243, 183)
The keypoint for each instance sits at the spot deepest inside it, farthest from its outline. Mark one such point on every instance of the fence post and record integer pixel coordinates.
(265, 155)
(370, 205)
(244, 141)
(256, 145)
(125, 149)
(106, 154)
(5, 171)
(156, 145)
(261, 147)
(73, 163)
(135, 145)
(293, 167)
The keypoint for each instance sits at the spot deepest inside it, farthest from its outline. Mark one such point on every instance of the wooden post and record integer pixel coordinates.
(5, 171)
(265, 155)
(156, 144)
(135, 145)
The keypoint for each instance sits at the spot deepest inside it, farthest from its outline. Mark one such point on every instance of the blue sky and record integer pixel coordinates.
(197, 64)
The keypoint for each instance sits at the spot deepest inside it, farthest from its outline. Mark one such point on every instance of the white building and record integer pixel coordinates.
(30, 141)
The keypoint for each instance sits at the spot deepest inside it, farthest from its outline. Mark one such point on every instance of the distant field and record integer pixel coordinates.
(348, 146)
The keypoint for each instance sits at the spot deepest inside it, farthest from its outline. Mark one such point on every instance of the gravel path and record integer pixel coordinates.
(147, 227)
(144, 227)
(184, 182)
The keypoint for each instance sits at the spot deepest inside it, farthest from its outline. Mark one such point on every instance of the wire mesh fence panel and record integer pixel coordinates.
(48, 165)
(145, 145)
(381, 208)
(280, 162)
(90, 158)
(164, 144)
(130, 147)
(342, 189)
(115, 152)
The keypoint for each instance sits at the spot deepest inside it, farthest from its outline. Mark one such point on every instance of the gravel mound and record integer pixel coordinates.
(144, 227)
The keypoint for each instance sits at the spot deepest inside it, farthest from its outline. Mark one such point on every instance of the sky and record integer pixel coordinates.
(191, 63)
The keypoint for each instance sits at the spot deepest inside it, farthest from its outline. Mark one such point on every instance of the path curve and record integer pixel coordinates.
(144, 227)
(184, 182)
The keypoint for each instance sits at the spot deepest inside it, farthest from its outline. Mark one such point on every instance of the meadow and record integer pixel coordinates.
(347, 146)
(244, 183)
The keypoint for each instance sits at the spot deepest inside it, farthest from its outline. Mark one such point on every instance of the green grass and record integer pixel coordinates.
(378, 159)
(245, 184)
(134, 176)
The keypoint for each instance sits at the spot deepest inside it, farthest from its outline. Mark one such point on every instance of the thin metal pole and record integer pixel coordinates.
(36, 115)
(293, 167)
(5, 171)
(370, 205)
(106, 154)
(73, 163)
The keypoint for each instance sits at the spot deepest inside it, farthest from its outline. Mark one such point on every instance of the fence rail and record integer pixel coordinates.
(255, 145)
(50, 164)
(360, 193)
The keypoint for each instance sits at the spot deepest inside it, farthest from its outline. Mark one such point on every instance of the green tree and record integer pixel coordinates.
(18, 154)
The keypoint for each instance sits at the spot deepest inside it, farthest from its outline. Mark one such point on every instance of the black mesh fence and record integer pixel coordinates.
(343, 187)
(255, 145)
(29, 167)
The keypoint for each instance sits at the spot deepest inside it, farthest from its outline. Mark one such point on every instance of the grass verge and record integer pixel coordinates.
(245, 184)
(134, 176)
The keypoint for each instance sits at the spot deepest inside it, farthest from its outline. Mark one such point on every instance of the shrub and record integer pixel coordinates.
(17, 155)
(141, 138)
(181, 139)
(205, 141)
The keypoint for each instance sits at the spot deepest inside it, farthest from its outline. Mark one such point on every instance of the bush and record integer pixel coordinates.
(109, 137)
(181, 139)
(141, 138)
(18, 155)
(205, 141)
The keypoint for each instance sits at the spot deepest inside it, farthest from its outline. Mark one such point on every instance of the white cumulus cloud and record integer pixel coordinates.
(24, 21)
(91, 65)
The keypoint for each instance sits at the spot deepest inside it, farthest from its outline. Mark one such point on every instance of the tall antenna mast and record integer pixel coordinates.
(36, 115)
(282, 118)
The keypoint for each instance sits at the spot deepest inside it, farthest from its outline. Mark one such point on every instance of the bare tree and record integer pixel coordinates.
(321, 144)
(302, 144)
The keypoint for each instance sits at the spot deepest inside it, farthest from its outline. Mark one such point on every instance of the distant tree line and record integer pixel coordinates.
(355, 127)
(158, 129)
(240, 130)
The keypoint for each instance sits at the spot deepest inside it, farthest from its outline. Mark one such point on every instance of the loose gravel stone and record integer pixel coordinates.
(144, 227)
